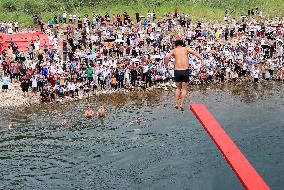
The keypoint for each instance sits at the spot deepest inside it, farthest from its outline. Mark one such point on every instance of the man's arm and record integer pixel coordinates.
(191, 51)
(168, 57)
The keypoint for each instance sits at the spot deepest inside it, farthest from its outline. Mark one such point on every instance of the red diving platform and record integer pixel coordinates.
(246, 173)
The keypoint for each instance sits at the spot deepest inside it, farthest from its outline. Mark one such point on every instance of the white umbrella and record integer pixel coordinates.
(119, 41)
(91, 57)
(135, 60)
(157, 57)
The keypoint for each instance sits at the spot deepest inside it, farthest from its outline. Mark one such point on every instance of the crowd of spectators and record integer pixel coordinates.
(104, 52)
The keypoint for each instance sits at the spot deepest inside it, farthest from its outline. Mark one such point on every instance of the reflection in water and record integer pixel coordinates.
(143, 143)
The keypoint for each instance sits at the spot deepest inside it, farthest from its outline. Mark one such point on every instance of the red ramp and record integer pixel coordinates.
(248, 176)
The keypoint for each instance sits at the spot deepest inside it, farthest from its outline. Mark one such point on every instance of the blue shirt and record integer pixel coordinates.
(190, 60)
(5, 80)
(145, 22)
(44, 71)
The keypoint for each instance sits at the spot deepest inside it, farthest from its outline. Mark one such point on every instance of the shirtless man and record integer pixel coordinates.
(138, 120)
(11, 125)
(89, 113)
(101, 112)
(180, 53)
(64, 122)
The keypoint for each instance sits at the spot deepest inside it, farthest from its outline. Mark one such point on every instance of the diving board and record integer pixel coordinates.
(246, 173)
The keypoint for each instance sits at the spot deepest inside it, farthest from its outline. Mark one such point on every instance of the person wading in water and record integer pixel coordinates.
(180, 53)
(101, 112)
(89, 113)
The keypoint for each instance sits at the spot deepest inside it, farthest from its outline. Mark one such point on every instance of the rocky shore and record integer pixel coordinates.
(14, 98)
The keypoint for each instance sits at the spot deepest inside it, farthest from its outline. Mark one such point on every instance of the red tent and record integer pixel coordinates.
(22, 40)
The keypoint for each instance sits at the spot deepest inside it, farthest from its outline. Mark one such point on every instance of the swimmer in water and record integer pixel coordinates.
(138, 120)
(64, 122)
(101, 112)
(89, 112)
(181, 72)
(11, 126)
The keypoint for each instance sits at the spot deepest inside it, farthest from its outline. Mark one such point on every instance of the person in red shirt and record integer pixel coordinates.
(177, 37)
(278, 30)
(256, 50)
(1, 44)
(52, 80)
(121, 19)
(114, 20)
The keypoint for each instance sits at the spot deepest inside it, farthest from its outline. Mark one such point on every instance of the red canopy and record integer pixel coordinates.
(22, 40)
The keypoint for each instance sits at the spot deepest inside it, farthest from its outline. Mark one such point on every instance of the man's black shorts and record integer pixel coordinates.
(182, 75)
(5, 87)
(25, 89)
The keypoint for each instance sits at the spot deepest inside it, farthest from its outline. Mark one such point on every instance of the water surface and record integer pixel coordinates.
(168, 150)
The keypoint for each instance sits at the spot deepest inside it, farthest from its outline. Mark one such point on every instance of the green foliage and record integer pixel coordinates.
(198, 9)
(33, 7)
(10, 5)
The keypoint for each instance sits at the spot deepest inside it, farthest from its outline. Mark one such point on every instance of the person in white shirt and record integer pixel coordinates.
(267, 74)
(225, 18)
(271, 67)
(280, 51)
(74, 19)
(34, 84)
(16, 25)
(70, 18)
(71, 88)
(37, 45)
(260, 14)
(64, 15)
(10, 29)
(256, 73)
(145, 70)
(2, 27)
(85, 21)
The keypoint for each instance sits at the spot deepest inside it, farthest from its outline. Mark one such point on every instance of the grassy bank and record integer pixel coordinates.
(211, 10)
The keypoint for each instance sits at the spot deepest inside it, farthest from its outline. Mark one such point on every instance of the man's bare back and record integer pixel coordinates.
(181, 57)
(181, 72)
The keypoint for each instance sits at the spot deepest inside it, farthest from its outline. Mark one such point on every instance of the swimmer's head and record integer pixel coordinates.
(10, 125)
(179, 43)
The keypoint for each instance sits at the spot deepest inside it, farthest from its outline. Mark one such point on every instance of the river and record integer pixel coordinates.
(167, 150)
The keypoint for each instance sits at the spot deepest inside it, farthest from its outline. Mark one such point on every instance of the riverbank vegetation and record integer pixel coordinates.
(204, 10)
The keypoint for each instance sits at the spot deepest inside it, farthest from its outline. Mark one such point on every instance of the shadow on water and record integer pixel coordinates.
(165, 149)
